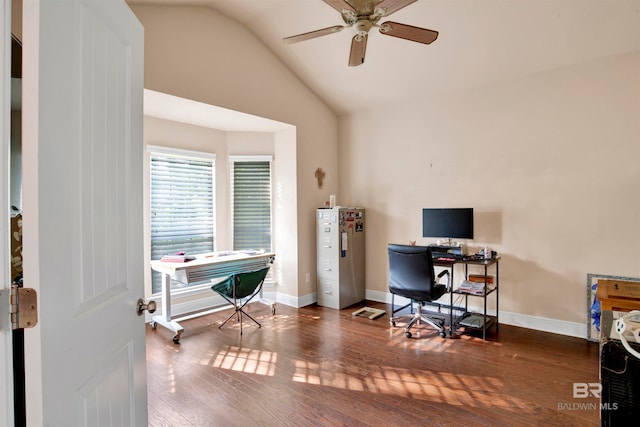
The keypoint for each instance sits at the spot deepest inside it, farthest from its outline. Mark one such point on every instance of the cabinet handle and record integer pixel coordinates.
(327, 246)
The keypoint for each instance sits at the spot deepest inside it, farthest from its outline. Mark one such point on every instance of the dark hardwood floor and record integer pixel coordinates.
(316, 366)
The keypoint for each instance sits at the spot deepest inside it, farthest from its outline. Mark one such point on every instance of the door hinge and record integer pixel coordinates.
(23, 307)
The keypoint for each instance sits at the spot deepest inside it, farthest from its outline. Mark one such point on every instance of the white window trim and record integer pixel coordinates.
(251, 158)
(179, 152)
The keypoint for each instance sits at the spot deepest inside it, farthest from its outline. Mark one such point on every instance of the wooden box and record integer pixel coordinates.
(619, 295)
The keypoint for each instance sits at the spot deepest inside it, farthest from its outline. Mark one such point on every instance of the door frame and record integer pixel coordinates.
(6, 348)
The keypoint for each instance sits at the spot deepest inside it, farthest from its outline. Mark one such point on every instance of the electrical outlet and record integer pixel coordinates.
(307, 277)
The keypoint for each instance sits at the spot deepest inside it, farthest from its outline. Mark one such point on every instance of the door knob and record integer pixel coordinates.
(150, 306)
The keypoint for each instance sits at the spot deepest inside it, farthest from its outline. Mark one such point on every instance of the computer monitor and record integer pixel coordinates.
(450, 223)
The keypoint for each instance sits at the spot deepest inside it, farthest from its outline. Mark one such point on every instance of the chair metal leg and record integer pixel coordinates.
(242, 312)
(393, 317)
(418, 318)
(249, 316)
(238, 312)
(228, 318)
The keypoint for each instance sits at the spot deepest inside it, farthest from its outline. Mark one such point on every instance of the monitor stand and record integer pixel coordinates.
(448, 243)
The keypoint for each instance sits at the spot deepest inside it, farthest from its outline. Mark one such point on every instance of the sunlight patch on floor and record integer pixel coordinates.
(426, 385)
(245, 360)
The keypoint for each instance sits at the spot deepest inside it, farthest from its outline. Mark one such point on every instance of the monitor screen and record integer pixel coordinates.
(453, 223)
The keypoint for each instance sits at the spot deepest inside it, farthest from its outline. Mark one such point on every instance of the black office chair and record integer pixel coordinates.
(239, 289)
(411, 275)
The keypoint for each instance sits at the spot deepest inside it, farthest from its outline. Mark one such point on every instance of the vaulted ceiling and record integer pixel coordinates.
(480, 43)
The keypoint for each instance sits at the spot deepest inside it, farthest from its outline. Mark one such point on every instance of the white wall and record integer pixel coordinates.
(198, 54)
(549, 162)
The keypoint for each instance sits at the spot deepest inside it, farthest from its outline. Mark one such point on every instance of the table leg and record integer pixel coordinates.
(165, 318)
(484, 313)
(452, 327)
(497, 293)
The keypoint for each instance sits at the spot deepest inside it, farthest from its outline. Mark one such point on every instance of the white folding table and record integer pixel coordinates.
(204, 267)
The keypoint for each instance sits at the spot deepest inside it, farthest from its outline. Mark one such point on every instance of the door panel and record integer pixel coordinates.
(82, 239)
(102, 402)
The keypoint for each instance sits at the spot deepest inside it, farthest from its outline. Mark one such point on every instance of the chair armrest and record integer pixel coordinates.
(445, 273)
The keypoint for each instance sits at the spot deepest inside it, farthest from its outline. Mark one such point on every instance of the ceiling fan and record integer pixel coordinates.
(364, 15)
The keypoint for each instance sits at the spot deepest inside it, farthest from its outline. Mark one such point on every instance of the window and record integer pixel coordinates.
(251, 197)
(182, 204)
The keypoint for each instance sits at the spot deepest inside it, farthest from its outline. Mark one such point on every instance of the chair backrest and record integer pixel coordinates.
(246, 283)
(411, 273)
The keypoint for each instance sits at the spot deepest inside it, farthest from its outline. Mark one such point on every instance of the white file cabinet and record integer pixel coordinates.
(340, 256)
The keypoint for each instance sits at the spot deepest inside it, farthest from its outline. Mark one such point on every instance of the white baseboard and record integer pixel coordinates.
(305, 300)
(213, 302)
(545, 324)
(209, 302)
(555, 326)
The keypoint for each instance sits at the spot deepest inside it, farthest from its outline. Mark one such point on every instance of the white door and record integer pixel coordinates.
(82, 205)
(6, 382)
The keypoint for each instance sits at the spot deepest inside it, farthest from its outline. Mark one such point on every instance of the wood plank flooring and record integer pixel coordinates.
(317, 366)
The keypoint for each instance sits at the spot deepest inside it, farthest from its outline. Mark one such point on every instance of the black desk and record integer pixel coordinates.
(486, 320)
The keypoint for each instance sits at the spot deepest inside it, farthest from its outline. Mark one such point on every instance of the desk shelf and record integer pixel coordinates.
(457, 321)
(473, 294)
(475, 321)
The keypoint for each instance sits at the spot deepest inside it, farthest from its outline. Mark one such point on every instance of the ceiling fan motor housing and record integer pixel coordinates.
(363, 26)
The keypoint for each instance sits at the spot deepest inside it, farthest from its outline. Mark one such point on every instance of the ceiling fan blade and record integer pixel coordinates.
(393, 5)
(358, 49)
(339, 5)
(313, 34)
(408, 32)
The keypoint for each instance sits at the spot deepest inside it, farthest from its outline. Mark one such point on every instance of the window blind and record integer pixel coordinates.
(182, 207)
(251, 204)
